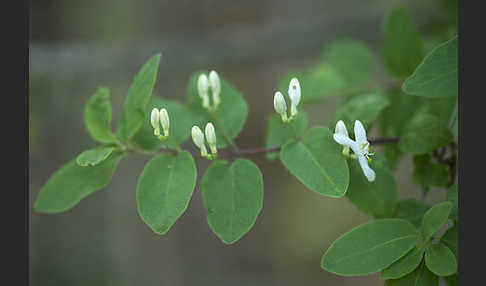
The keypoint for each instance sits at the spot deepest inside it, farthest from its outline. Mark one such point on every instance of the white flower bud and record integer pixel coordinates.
(154, 120)
(280, 105)
(198, 139)
(294, 91)
(202, 88)
(164, 120)
(211, 137)
(215, 84)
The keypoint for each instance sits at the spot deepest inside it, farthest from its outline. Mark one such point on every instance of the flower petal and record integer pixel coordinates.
(368, 172)
(341, 128)
(359, 133)
(344, 140)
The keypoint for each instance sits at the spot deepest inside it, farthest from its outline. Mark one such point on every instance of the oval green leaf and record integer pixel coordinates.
(164, 189)
(370, 247)
(452, 197)
(437, 74)
(229, 118)
(317, 162)
(138, 96)
(378, 198)
(435, 218)
(440, 260)
(450, 239)
(97, 116)
(94, 156)
(404, 265)
(233, 198)
(411, 210)
(421, 276)
(71, 183)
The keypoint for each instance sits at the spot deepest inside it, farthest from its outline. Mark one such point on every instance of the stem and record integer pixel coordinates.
(215, 117)
(293, 131)
(384, 140)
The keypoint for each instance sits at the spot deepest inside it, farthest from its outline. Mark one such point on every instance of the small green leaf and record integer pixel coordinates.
(97, 116)
(435, 218)
(437, 74)
(230, 116)
(233, 198)
(423, 134)
(317, 162)
(429, 174)
(421, 276)
(71, 183)
(411, 210)
(403, 46)
(352, 59)
(404, 265)
(279, 133)
(181, 121)
(164, 189)
(440, 260)
(450, 239)
(370, 247)
(364, 108)
(400, 110)
(452, 197)
(138, 96)
(378, 198)
(94, 156)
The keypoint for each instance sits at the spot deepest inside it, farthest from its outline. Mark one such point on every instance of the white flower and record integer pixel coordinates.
(360, 146)
(198, 139)
(211, 137)
(280, 105)
(154, 120)
(164, 121)
(215, 84)
(202, 89)
(294, 94)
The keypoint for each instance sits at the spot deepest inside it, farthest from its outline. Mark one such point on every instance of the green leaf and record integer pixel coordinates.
(403, 46)
(164, 189)
(437, 74)
(364, 108)
(94, 156)
(317, 162)
(352, 59)
(429, 174)
(97, 116)
(452, 197)
(378, 198)
(435, 218)
(233, 198)
(421, 276)
(452, 280)
(370, 247)
(181, 121)
(279, 133)
(440, 260)
(317, 83)
(400, 110)
(404, 265)
(423, 134)
(71, 183)
(411, 210)
(138, 96)
(450, 239)
(231, 113)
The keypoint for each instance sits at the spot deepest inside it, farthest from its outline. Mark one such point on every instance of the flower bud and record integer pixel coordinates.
(211, 137)
(202, 88)
(294, 91)
(341, 128)
(215, 84)
(198, 139)
(280, 105)
(164, 120)
(154, 120)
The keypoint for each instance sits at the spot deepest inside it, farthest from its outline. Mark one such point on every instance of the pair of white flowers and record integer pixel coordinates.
(160, 118)
(360, 145)
(198, 139)
(281, 106)
(204, 84)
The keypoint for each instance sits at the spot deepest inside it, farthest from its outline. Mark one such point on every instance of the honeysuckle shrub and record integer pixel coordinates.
(415, 116)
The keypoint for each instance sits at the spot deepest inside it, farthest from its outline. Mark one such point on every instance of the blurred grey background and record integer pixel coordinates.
(77, 46)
